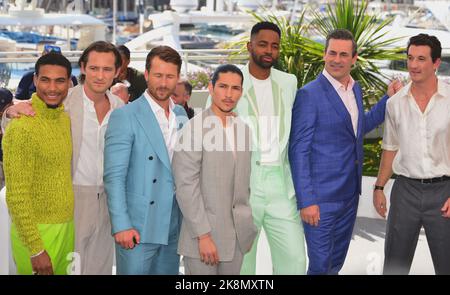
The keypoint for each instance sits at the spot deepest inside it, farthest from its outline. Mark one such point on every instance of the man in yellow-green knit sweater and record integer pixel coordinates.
(37, 164)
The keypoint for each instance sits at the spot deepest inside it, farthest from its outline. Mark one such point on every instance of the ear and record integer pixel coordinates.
(249, 46)
(35, 78)
(354, 59)
(436, 64)
(146, 75)
(210, 89)
(83, 68)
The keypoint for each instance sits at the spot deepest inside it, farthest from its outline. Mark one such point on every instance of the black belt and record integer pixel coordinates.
(431, 180)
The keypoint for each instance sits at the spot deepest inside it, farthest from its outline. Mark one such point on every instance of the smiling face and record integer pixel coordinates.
(52, 84)
(264, 48)
(420, 64)
(100, 71)
(339, 60)
(226, 92)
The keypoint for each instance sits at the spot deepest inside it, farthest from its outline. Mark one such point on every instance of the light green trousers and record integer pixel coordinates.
(58, 241)
(280, 219)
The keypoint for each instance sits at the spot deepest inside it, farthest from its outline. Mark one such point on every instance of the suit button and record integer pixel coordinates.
(152, 202)
(258, 163)
(356, 162)
(154, 180)
(150, 158)
(233, 206)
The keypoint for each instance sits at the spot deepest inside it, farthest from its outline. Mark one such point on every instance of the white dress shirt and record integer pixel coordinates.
(347, 96)
(268, 123)
(168, 126)
(422, 140)
(229, 134)
(89, 170)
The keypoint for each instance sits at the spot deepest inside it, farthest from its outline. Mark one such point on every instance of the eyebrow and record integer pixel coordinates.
(48, 78)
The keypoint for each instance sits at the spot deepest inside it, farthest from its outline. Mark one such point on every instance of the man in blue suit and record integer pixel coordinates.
(326, 153)
(139, 144)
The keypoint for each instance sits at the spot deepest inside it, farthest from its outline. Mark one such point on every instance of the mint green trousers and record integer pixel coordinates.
(278, 215)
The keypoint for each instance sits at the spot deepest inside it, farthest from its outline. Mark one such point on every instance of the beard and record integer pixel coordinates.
(53, 106)
(259, 61)
(154, 93)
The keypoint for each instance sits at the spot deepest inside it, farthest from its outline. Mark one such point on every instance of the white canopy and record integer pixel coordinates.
(50, 19)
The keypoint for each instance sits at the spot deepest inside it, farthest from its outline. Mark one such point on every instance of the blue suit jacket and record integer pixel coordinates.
(137, 172)
(325, 155)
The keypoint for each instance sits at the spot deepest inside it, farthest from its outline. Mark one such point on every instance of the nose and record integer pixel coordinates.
(337, 59)
(228, 92)
(412, 63)
(52, 85)
(100, 74)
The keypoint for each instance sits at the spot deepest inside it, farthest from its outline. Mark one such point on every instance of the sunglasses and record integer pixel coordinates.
(49, 48)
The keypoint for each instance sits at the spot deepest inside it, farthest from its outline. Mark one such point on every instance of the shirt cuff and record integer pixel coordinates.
(389, 147)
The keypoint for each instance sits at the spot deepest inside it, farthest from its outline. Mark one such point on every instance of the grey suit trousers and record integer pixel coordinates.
(194, 266)
(93, 240)
(413, 205)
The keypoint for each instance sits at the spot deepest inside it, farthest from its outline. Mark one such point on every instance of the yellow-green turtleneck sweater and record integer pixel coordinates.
(37, 165)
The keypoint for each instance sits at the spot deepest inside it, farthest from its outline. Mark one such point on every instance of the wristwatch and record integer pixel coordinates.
(378, 187)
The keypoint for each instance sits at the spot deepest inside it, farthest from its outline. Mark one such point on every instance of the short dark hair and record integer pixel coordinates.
(227, 68)
(342, 34)
(187, 86)
(427, 40)
(6, 98)
(99, 46)
(265, 25)
(124, 51)
(166, 54)
(53, 58)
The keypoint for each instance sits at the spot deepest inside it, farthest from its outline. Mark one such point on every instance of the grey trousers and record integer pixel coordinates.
(93, 240)
(414, 205)
(194, 266)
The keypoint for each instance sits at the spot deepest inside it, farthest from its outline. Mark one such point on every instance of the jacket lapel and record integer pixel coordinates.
(358, 96)
(337, 103)
(283, 115)
(247, 105)
(150, 126)
(74, 106)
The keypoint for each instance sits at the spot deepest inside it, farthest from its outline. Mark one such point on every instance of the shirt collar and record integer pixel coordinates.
(114, 100)
(442, 89)
(336, 84)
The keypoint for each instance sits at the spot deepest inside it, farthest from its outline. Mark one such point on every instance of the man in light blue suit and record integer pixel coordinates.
(326, 153)
(139, 144)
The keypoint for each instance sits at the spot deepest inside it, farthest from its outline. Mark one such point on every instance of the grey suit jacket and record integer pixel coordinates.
(212, 189)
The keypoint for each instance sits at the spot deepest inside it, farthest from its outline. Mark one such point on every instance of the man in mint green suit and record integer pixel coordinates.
(266, 104)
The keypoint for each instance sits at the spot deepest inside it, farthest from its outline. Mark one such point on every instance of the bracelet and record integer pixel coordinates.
(378, 187)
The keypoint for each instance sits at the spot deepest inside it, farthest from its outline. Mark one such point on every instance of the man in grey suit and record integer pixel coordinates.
(211, 166)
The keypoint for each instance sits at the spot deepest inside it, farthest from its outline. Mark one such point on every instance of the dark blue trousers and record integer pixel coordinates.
(329, 241)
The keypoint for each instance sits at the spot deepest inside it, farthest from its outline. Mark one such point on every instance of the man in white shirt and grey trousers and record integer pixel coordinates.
(89, 106)
(416, 147)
